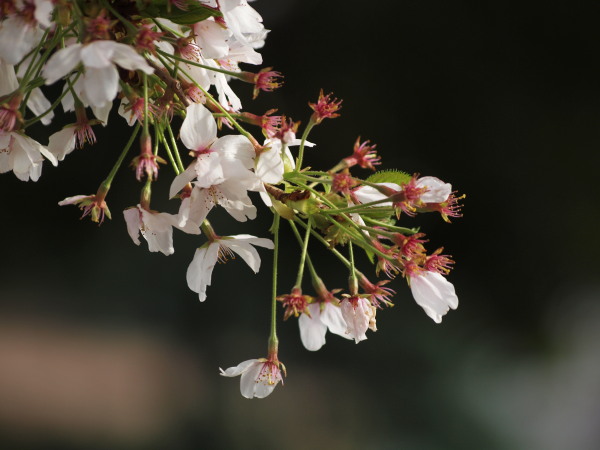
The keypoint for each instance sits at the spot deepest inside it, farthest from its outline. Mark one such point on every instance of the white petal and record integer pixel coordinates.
(312, 329)
(158, 231)
(239, 369)
(249, 380)
(8, 78)
(101, 85)
(199, 272)
(126, 57)
(61, 63)
(38, 104)
(199, 128)
(367, 194)
(269, 167)
(332, 317)
(62, 142)
(437, 192)
(236, 147)
(434, 294)
(98, 54)
(209, 171)
(181, 180)
(133, 221)
(242, 246)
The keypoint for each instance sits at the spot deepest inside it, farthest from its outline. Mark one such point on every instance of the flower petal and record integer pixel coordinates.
(312, 329)
(199, 128)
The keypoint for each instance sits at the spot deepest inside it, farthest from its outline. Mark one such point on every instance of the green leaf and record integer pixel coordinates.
(390, 176)
(195, 12)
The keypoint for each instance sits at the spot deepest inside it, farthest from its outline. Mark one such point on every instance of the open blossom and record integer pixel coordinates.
(157, 228)
(322, 317)
(417, 193)
(433, 293)
(199, 272)
(258, 376)
(359, 315)
(101, 79)
(21, 31)
(23, 156)
(220, 173)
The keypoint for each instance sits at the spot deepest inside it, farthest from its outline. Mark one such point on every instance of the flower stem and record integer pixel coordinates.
(175, 148)
(105, 186)
(303, 257)
(311, 267)
(309, 127)
(273, 341)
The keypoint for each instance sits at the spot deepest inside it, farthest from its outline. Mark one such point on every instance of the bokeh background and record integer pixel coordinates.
(103, 346)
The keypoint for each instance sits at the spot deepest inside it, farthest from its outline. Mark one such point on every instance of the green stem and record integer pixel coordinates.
(175, 148)
(105, 186)
(146, 118)
(311, 267)
(52, 107)
(273, 341)
(303, 257)
(341, 257)
(169, 153)
(203, 66)
(309, 127)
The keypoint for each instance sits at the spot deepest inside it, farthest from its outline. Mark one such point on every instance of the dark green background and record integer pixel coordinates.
(103, 346)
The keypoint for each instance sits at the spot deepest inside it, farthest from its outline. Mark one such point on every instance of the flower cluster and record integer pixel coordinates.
(169, 66)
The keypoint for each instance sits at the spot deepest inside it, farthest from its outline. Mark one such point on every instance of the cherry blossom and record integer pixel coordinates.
(23, 155)
(199, 272)
(157, 228)
(258, 376)
(359, 315)
(433, 293)
(100, 81)
(323, 317)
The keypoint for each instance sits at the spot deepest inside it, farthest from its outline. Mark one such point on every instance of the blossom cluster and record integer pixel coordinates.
(169, 65)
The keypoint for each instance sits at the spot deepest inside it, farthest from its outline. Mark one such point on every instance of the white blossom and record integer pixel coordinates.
(433, 293)
(23, 155)
(359, 315)
(100, 80)
(258, 377)
(200, 270)
(323, 316)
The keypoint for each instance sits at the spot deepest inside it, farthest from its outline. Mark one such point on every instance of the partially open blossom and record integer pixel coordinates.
(364, 155)
(359, 315)
(258, 376)
(433, 293)
(91, 205)
(325, 108)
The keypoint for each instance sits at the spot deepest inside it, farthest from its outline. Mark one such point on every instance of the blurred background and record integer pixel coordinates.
(103, 346)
